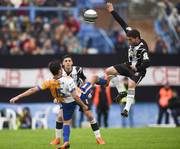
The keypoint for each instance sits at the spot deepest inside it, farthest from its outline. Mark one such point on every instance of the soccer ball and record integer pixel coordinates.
(90, 16)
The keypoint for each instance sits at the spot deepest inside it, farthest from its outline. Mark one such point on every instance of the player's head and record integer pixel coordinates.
(67, 62)
(55, 67)
(133, 37)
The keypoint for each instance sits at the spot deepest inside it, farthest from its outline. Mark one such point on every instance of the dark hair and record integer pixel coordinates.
(125, 78)
(66, 56)
(54, 67)
(134, 33)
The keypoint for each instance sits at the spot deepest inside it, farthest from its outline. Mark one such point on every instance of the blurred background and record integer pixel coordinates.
(33, 32)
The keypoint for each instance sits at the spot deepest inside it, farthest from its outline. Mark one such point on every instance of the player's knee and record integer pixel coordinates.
(59, 118)
(111, 71)
(107, 71)
(93, 121)
(67, 122)
(131, 84)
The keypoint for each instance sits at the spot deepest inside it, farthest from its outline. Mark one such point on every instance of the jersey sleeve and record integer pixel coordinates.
(123, 24)
(71, 86)
(44, 85)
(145, 61)
(81, 73)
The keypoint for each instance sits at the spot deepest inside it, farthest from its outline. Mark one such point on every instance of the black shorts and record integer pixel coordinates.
(86, 102)
(125, 70)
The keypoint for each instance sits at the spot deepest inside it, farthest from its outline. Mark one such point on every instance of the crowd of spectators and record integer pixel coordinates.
(49, 34)
(66, 3)
(167, 27)
(18, 35)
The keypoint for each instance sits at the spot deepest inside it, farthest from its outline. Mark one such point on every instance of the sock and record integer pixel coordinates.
(87, 90)
(58, 130)
(95, 128)
(66, 133)
(86, 87)
(102, 81)
(130, 99)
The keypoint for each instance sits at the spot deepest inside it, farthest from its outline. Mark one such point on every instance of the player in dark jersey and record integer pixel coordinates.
(79, 78)
(138, 60)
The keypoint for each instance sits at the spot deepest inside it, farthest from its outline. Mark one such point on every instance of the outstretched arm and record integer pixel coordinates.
(24, 94)
(123, 24)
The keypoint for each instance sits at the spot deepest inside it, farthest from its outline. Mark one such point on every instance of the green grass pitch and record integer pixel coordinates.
(117, 138)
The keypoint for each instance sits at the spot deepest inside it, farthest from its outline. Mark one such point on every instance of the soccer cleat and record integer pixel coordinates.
(100, 140)
(120, 96)
(56, 141)
(66, 145)
(124, 113)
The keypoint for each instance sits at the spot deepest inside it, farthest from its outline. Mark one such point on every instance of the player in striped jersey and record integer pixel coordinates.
(138, 60)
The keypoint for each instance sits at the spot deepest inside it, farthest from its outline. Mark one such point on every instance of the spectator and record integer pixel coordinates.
(121, 45)
(72, 43)
(58, 43)
(38, 27)
(4, 50)
(26, 24)
(47, 47)
(30, 46)
(14, 48)
(161, 46)
(165, 94)
(178, 7)
(6, 3)
(174, 18)
(45, 34)
(24, 3)
(168, 6)
(68, 3)
(102, 100)
(72, 24)
(174, 105)
(25, 118)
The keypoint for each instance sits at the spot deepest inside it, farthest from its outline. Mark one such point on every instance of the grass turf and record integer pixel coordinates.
(118, 138)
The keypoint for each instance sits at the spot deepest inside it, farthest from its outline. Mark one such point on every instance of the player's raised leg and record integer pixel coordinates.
(111, 74)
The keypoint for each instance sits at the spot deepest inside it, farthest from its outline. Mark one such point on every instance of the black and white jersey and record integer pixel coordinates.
(77, 75)
(138, 56)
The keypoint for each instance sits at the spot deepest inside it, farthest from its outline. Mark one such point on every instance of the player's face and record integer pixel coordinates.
(60, 72)
(132, 41)
(67, 63)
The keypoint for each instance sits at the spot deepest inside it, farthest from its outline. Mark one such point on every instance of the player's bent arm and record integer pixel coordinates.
(24, 94)
(78, 100)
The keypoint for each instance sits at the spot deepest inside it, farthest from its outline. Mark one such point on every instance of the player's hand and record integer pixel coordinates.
(110, 7)
(13, 100)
